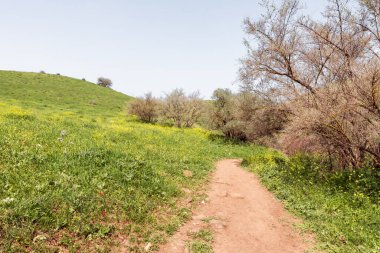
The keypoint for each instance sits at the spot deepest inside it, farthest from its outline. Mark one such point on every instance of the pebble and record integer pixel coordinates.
(187, 173)
(236, 196)
(147, 247)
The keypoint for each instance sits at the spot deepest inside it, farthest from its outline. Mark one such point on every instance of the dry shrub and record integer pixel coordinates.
(176, 108)
(181, 109)
(146, 108)
(343, 120)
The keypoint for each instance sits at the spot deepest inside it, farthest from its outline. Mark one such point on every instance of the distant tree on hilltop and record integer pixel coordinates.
(104, 82)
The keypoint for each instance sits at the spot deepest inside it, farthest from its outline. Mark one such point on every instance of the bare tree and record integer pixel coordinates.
(325, 72)
(368, 21)
(174, 107)
(277, 59)
(146, 108)
(181, 109)
(194, 109)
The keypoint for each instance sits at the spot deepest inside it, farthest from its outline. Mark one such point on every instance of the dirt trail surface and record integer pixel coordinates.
(243, 215)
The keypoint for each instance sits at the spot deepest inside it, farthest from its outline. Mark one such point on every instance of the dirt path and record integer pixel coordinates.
(243, 215)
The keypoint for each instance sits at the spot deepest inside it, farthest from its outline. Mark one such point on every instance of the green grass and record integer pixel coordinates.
(341, 208)
(77, 174)
(199, 246)
(204, 234)
(201, 241)
(52, 93)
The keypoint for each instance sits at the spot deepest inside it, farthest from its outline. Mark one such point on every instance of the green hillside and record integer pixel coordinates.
(76, 174)
(58, 93)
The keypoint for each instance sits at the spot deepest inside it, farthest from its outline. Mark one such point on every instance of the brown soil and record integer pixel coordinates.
(244, 216)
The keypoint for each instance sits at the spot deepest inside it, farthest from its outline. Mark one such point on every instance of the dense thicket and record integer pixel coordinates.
(246, 116)
(325, 72)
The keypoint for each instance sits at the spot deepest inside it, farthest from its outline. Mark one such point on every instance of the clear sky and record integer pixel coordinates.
(142, 45)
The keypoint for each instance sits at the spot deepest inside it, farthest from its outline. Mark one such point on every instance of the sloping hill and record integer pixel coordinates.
(78, 175)
(59, 93)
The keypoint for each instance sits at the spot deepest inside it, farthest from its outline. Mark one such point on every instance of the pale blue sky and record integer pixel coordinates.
(142, 45)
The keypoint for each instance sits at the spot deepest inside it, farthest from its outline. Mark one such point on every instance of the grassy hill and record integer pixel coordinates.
(45, 92)
(76, 174)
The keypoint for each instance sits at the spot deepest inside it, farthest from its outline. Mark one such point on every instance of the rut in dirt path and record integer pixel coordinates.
(244, 216)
